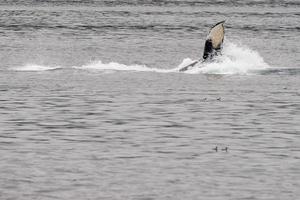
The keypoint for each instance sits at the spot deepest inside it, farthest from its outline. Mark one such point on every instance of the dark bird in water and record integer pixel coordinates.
(213, 45)
(225, 149)
(216, 148)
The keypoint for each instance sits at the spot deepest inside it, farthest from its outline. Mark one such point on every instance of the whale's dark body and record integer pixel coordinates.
(213, 44)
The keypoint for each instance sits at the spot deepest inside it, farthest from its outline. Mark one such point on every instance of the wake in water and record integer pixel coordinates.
(121, 67)
(34, 67)
(234, 60)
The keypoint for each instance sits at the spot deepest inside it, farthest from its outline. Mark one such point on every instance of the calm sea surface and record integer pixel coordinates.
(90, 107)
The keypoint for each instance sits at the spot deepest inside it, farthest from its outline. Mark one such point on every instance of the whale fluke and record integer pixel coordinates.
(213, 44)
(214, 41)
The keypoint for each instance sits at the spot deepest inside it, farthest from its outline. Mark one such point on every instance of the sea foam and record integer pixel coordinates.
(34, 67)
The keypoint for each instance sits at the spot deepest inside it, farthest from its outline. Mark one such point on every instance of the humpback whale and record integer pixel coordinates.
(213, 45)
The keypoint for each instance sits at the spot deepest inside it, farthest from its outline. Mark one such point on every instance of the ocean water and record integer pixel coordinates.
(93, 105)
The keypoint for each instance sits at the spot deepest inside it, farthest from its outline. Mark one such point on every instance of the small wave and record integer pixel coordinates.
(280, 71)
(34, 67)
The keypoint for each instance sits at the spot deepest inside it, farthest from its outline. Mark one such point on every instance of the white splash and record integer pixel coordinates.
(234, 60)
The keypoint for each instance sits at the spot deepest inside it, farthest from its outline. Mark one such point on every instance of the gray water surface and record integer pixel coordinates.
(69, 133)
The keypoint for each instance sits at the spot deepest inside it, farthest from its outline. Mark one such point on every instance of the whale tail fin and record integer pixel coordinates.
(213, 45)
(214, 41)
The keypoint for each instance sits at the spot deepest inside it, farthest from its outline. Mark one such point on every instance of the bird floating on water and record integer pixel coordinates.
(216, 148)
(223, 149)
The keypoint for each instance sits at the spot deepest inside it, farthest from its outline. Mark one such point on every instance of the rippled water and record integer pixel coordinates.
(93, 105)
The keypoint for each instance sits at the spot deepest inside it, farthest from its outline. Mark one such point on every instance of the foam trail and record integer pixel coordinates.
(121, 67)
(34, 67)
